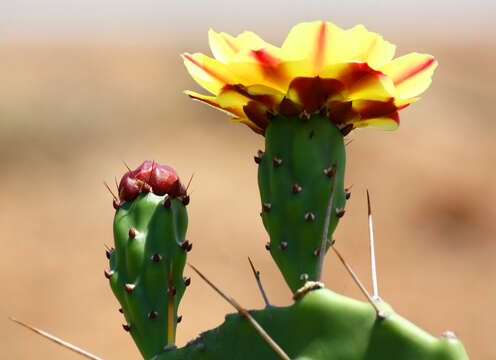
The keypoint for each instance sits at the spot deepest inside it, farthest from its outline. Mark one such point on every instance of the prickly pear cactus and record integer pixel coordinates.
(322, 325)
(146, 266)
(295, 176)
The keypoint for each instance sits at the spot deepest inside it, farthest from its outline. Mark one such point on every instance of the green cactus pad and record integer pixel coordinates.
(322, 325)
(149, 242)
(294, 177)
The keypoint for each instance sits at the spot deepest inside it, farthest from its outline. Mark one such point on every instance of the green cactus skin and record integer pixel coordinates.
(145, 262)
(322, 325)
(294, 179)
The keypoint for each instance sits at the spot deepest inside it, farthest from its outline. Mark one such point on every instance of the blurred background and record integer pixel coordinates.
(87, 85)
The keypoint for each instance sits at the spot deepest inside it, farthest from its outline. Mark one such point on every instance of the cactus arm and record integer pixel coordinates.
(294, 178)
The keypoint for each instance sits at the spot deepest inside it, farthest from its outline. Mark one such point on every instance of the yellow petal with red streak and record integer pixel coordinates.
(225, 47)
(212, 101)
(316, 41)
(363, 45)
(411, 74)
(211, 74)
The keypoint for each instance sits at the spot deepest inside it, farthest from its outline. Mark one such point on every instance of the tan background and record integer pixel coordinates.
(71, 112)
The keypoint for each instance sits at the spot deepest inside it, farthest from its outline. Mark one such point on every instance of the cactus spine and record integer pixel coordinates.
(302, 154)
(147, 264)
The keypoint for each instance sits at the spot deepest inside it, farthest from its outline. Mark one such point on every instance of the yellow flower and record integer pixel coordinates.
(349, 75)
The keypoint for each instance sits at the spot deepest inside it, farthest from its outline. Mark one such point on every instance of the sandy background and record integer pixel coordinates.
(71, 113)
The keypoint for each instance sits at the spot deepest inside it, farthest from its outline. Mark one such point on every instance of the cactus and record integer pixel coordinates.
(146, 267)
(321, 325)
(304, 108)
(295, 173)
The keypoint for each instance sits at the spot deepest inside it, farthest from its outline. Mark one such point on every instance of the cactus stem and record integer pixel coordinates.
(277, 161)
(266, 207)
(325, 233)
(309, 217)
(296, 188)
(311, 135)
(129, 287)
(372, 250)
(152, 314)
(126, 327)
(108, 273)
(132, 233)
(170, 332)
(339, 212)
(56, 340)
(380, 314)
(256, 273)
(284, 245)
(250, 318)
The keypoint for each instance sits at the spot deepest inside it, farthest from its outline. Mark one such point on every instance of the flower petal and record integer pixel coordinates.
(212, 101)
(225, 47)
(382, 123)
(411, 74)
(313, 92)
(209, 73)
(369, 47)
(316, 41)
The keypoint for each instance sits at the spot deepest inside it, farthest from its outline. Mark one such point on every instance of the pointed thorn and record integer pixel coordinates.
(347, 194)
(156, 257)
(267, 246)
(110, 190)
(329, 171)
(185, 200)
(152, 314)
(179, 319)
(189, 182)
(56, 340)
(304, 116)
(132, 233)
(283, 245)
(187, 281)
(108, 273)
(129, 287)
(296, 188)
(316, 252)
(167, 203)
(347, 129)
(339, 212)
(277, 161)
(127, 166)
(121, 311)
(256, 273)
(250, 318)
(309, 217)
(267, 207)
(126, 327)
(304, 277)
(116, 204)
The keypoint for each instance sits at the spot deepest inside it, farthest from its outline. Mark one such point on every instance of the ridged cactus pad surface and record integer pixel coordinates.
(302, 156)
(322, 325)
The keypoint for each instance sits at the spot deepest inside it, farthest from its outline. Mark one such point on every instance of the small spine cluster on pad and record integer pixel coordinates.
(146, 265)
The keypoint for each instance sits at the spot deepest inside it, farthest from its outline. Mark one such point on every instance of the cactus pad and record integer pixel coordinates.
(147, 264)
(302, 154)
